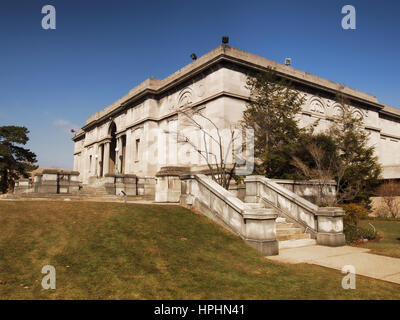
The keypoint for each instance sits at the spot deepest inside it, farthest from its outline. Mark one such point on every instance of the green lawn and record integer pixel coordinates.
(389, 245)
(120, 251)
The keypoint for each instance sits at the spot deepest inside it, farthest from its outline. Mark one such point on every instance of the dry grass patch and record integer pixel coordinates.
(126, 251)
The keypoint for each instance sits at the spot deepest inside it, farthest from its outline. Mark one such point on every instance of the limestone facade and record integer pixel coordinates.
(133, 135)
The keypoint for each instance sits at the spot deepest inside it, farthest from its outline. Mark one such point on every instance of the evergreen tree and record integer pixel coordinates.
(15, 161)
(358, 170)
(271, 113)
(341, 153)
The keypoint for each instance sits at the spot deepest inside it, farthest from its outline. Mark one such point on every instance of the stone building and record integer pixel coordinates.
(130, 137)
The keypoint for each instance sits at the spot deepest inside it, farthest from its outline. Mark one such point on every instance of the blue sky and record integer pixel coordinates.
(52, 80)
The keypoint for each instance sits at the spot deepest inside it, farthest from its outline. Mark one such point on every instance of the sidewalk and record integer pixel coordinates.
(366, 264)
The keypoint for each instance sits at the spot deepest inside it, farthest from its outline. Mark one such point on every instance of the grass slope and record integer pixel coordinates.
(117, 251)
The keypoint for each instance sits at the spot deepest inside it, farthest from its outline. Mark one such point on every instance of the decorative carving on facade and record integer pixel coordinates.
(358, 113)
(185, 97)
(337, 110)
(316, 105)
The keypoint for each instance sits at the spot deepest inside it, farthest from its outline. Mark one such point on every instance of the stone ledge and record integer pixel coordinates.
(330, 212)
(58, 171)
(175, 171)
(302, 182)
(267, 214)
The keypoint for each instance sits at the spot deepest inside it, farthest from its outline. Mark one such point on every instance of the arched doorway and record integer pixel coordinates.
(113, 145)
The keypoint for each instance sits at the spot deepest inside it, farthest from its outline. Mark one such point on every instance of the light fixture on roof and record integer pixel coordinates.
(288, 61)
(225, 39)
(193, 56)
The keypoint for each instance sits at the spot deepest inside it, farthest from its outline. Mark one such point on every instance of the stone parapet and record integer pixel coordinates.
(311, 190)
(50, 181)
(168, 183)
(324, 223)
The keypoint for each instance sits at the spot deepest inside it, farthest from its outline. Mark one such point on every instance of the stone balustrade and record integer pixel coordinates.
(310, 190)
(324, 223)
(256, 226)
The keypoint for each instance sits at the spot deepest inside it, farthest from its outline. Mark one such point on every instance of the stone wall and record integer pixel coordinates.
(120, 184)
(130, 184)
(146, 187)
(50, 181)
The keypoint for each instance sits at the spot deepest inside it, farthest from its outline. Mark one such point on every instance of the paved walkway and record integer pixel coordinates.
(366, 264)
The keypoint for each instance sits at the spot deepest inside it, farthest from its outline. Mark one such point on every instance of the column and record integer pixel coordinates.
(117, 154)
(106, 160)
(128, 151)
(96, 160)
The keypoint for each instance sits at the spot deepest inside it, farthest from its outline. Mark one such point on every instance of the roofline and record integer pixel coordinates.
(226, 53)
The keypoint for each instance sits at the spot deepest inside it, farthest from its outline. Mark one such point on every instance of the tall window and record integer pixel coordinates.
(90, 164)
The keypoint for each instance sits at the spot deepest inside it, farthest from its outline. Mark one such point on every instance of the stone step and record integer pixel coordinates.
(94, 194)
(296, 243)
(284, 225)
(287, 231)
(280, 220)
(284, 237)
(255, 205)
(89, 191)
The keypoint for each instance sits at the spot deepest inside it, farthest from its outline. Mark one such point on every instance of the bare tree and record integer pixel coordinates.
(217, 145)
(324, 169)
(389, 192)
(321, 172)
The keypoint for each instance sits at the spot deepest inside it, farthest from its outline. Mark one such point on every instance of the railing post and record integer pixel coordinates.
(259, 230)
(330, 226)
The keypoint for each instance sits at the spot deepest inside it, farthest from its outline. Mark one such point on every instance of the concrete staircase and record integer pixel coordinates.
(287, 234)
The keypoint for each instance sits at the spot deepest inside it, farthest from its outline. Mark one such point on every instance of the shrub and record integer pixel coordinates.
(356, 234)
(367, 233)
(354, 212)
